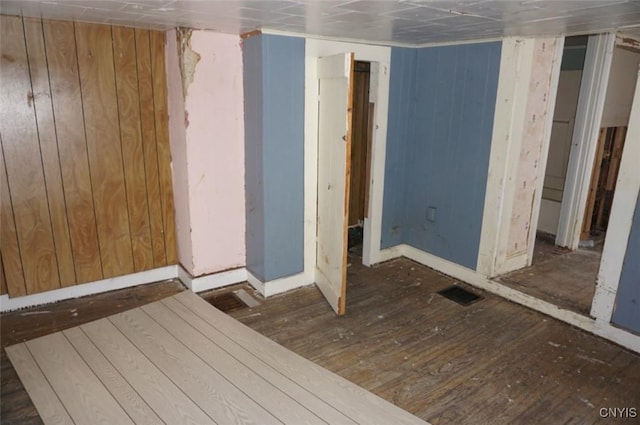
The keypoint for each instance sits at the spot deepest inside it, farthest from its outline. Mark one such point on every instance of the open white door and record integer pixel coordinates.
(335, 74)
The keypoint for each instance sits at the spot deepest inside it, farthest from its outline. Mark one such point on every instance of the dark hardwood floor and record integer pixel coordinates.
(559, 276)
(492, 362)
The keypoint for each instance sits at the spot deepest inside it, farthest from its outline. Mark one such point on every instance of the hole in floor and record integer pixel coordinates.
(459, 295)
(225, 302)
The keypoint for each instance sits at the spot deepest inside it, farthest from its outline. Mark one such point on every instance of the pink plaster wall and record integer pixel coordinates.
(207, 147)
(177, 138)
(215, 154)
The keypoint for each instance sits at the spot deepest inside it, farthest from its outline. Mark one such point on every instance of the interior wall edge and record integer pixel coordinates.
(509, 89)
(542, 165)
(177, 143)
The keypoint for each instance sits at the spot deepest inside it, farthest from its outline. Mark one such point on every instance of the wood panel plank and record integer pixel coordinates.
(350, 399)
(267, 394)
(616, 156)
(216, 396)
(49, 148)
(67, 109)
(162, 395)
(147, 122)
(9, 248)
(23, 162)
(124, 48)
(137, 409)
(3, 282)
(359, 146)
(162, 139)
(593, 187)
(255, 363)
(97, 81)
(49, 407)
(81, 392)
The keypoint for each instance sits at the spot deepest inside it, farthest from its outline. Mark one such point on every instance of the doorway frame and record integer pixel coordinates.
(380, 59)
(593, 90)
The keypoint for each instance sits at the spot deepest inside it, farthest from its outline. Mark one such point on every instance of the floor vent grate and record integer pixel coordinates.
(460, 295)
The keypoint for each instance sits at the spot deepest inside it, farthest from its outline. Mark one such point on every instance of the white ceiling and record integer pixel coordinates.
(413, 22)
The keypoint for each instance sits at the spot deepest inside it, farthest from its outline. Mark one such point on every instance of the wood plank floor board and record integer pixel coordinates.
(81, 392)
(356, 403)
(135, 406)
(258, 366)
(162, 395)
(215, 395)
(50, 407)
(285, 408)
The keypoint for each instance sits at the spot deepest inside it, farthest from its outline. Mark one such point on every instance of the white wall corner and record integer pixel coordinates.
(278, 286)
(388, 254)
(508, 127)
(542, 164)
(603, 303)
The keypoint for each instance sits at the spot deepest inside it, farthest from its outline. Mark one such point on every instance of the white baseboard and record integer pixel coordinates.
(278, 286)
(212, 281)
(474, 278)
(110, 284)
(388, 254)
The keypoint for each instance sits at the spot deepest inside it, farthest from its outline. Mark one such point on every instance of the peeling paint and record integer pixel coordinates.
(188, 58)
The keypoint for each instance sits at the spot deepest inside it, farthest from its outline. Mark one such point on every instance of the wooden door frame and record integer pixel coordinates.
(380, 59)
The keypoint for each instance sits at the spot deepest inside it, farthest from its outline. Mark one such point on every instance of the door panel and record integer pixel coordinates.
(335, 74)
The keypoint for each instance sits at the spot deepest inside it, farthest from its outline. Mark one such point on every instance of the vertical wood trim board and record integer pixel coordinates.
(162, 141)
(86, 178)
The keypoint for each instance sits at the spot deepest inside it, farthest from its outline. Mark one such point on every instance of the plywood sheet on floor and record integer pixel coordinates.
(180, 360)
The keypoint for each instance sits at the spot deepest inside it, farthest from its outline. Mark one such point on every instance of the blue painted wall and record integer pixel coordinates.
(274, 151)
(627, 310)
(446, 148)
(401, 107)
(253, 153)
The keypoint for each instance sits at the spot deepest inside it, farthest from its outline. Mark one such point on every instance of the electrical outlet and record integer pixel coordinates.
(431, 214)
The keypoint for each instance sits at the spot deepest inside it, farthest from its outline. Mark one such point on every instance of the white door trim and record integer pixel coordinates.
(380, 58)
(593, 90)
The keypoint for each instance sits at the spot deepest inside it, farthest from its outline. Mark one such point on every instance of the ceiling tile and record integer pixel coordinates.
(384, 21)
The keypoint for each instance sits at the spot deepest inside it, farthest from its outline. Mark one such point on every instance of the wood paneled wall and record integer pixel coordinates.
(86, 180)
